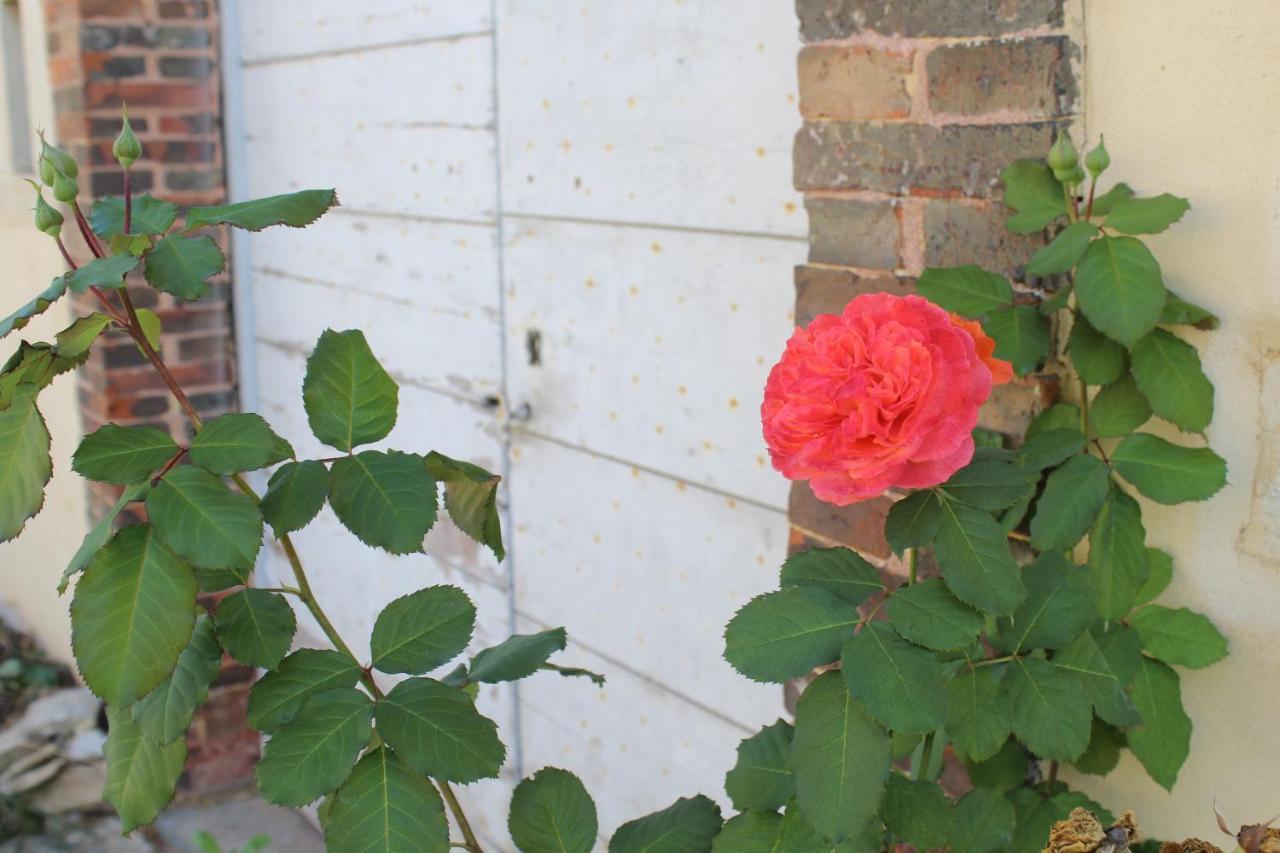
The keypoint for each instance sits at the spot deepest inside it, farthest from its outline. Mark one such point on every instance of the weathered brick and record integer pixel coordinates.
(860, 525)
(100, 37)
(188, 67)
(822, 290)
(111, 8)
(961, 232)
(831, 19)
(853, 82)
(852, 232)
(112, 93)
(1011, 407)
(192, 180)
(112, 183)
(1028, 76)
(905, 158)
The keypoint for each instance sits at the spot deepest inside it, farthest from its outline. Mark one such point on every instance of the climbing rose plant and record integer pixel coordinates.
(382, 763)
(1026, 635)
(1001, 650)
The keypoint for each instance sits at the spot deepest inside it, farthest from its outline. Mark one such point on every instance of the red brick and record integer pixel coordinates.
(114, 93)
(853, 82)
(859, 526)
(823, 290)
(1027, 76)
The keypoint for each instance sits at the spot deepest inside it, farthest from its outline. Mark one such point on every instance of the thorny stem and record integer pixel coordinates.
(303, 591)
(90, 239)
(66, 256)
(1084, 408)
(913, 561)
(470, 842)
(1053, 772)
(1088, 210)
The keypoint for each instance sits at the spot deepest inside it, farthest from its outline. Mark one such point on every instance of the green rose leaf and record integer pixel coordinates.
(840, 757)
(383, 805)
(349, 398)
(233, 443)
(751, 832)
(1084, 658)
(1049, 448)
(297, 210)
(38, 305)
(149, 215)
(1004, 771)
(165, 713)
(689, 825)
(1118, 409)
(1181, 637)
(1161, 565)
(1163, 740)
(181, 265)
(141, 774)
(1058, 608)
(100, 534)
(1103, 753)
(471, 497)
(1064, 252)
(276, 698)
(388, 500)
(439, 732)
(255, 627)
(1031, 189)
(551, 812)
(1103, 203)
(77, 339)
(295, 495)
(1022, 336)
(1146, 215)
(927, 614)
(516, 657)
(903, 686)
(1118, 563)
(313, 753)
(976, 564)
(1168, 371)
(761, 779)
(34, 365)
(1121, 646)
(785, 634)
(1179, 312)
(983, 821)
(1072, 496)
(840, 571)
(1168, 473)
(106, 273)
(1049, 711)
(422, 630)
(913, 521)
(25, 464)
(201, 519)
(132, 615)
(967, 290)
(1097, 359)
(917, 812)
(123, 455)
(1120, 288)
(978, 719)
(988, 483)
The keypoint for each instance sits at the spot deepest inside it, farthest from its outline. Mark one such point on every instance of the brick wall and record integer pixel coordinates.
(161, 58)
(911, 109)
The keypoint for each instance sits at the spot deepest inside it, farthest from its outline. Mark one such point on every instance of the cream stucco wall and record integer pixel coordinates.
(30, 565)
(1188, 96)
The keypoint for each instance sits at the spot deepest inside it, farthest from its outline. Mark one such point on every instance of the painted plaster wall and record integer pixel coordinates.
(612, 179)
(30, 565)
(1186, 94)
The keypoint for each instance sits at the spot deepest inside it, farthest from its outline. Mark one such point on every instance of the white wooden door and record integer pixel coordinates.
(583, 208)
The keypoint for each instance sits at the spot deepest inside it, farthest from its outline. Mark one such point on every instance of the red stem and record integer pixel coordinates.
(66, 256)
(90, 239)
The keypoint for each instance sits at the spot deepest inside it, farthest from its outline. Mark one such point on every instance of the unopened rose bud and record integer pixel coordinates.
(1062, 157)
(65, 189)
(48, 219)
(1097, 160)
(127, 149)
(47, 172)
(1075, 178)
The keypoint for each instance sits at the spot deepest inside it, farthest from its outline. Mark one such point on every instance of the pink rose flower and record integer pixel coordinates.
(884, 395)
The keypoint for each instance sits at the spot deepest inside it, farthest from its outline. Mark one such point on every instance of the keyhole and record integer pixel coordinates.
(533, 344)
